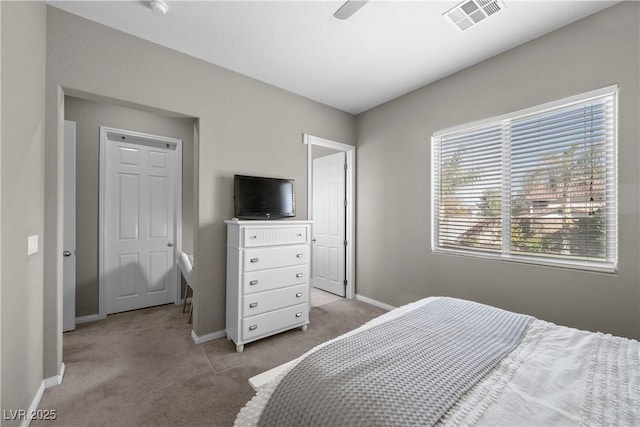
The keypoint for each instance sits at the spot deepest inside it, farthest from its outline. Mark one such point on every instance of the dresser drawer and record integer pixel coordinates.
(266, 236)
(272, 300)
(260, 259)
(268, 323)
(266, 280)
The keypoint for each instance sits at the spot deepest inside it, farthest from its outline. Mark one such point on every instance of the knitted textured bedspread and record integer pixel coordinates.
(408, 371)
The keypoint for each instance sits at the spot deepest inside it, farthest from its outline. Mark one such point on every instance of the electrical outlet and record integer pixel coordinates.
(32, 244)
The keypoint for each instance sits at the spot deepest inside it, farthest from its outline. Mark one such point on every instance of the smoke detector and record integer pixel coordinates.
(159, 7)
(468, 13)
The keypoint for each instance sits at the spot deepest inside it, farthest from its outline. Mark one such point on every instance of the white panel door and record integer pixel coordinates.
(140, 225)
(69, 229)
(328, 267)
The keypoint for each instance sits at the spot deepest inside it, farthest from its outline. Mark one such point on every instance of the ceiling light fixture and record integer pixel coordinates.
(159, 7)
(470, 12)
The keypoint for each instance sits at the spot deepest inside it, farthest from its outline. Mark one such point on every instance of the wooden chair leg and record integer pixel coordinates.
(186, 294)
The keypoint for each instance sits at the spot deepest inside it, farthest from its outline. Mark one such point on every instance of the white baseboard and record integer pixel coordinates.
(56, 379)
(374, 302)
(34, 406)
(207, 337)
(44, 384)
(87, 319)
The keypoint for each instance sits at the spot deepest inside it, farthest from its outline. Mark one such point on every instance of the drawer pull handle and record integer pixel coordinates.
(299, 314)
(253, 237)
(253, 327)
(299, 235)
(299, 294)
(299, 275)
(255, 259)
(253, 282)
(299, 255)
(253, 305)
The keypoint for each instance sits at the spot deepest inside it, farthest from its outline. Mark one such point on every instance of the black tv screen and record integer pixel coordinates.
(264, 198)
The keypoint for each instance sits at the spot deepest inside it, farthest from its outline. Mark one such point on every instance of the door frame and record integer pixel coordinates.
(133, 137)
(350, 152)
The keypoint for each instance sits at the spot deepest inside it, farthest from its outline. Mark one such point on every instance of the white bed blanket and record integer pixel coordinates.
(556, 376)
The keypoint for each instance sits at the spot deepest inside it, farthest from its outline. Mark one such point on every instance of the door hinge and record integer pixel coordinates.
(345, 282)
(345, 166)
(345, 203)
(345, 243)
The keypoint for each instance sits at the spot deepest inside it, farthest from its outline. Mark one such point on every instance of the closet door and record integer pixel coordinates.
(139, 224)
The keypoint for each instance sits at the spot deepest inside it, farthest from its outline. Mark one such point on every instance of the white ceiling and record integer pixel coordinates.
(386, 49)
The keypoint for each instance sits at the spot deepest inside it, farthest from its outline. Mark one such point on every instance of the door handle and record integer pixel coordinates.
(66, 253)
(170, 244)
(313, 240)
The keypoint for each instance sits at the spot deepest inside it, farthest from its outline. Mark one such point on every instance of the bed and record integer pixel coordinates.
(445, 361)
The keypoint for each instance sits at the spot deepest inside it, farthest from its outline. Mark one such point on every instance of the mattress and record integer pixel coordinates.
(554, 376)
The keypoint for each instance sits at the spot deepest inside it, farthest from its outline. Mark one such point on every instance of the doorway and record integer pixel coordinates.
(140, 193)
(331, 200)
(329, 217)
(90, 113)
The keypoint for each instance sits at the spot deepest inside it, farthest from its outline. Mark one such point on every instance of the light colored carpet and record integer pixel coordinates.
(141, 368)
(320, 297)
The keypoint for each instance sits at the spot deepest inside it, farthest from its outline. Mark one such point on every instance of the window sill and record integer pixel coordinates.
(582, 266)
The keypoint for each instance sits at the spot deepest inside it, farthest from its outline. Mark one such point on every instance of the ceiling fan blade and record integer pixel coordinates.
(349, 8)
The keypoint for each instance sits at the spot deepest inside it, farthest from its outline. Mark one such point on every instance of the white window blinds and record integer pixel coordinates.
(537, 185)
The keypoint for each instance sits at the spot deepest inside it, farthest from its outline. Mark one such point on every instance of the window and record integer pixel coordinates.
(537, 186)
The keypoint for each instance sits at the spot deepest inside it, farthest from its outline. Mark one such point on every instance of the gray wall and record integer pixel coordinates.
(245, 127)
(395, 263)
(89, 116)
(21, 212)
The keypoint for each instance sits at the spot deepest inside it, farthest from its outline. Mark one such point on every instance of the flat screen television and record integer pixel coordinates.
(264, 198)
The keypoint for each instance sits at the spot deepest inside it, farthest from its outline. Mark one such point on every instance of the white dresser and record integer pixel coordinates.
(268, 268)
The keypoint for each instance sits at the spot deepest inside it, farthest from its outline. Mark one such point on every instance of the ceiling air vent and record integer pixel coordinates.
(470, 12)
